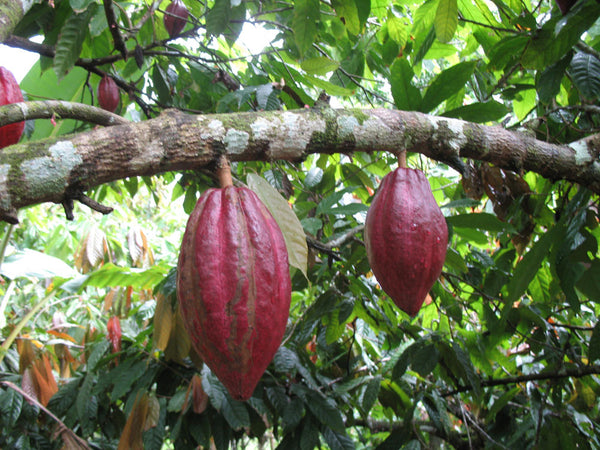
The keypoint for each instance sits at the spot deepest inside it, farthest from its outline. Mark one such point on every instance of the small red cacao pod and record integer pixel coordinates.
(10, 92)
(175, 18)
(406, 238)
(108, 94)
(233, 286)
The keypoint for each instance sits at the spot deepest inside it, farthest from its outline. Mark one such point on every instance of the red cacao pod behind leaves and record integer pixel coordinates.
(233, 286)
(108, 94)
(175, 18)
(406, 237)
(10, 92)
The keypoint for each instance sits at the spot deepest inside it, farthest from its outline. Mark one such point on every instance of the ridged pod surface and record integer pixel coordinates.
(108, 94)
(10, 92)
(175, 18)
(406, 237)
(233, 286)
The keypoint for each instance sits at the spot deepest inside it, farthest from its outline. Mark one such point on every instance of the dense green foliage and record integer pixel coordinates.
(501, 356)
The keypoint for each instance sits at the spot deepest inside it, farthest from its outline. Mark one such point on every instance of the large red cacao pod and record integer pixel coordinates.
(233, 286)
(108, 94)
(406, 237)
(10, 92)
(175, 18)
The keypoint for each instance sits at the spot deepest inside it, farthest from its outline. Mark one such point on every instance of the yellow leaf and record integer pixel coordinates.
(163, 322)
(131, 437)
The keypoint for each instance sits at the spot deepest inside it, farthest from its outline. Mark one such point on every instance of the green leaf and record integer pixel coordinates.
(370, 394)
(327, 413)
(217, 18)
(398, 29)
(328, 87)
(70, 41)
(83, 397)
(30, 263)
(446, 20)
(347, 11)
(490, 111)
(424, 359)
(64, 399)
(380, 8)
(548, 83)
(319, 65)
(309, 436)
(506, 50)
(501, 402)
(594, 351)
(110, 275)
(312, 225)
(11, 404)
(304, 23)
(80, 5)
(446, 84)
(559, 35)
(292, 414)
(235, 413)
(585, 72)
(161, 84)
(288, 222)
(589, 283)
(528, 266)
(338, 441)
(124, 375)
(406, 96)
(482, 221)
(285, 360)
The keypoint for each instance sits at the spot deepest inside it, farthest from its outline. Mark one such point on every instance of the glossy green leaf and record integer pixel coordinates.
(338, 441)
(446, 84)
(288, 222)
(557, 37)
(482, 221)
(491, 111)
(528, 266)
(304, 23)
(235, 413)
(218, 17)
(446, 20)
(594, 347)
(30, 263)
(347, 11)
(398, 29)
(11, 404)
(70, 42)
(548, 83)
(406, 96)
(370, 393)
(324, 411)
(585, 72)
(319, 65)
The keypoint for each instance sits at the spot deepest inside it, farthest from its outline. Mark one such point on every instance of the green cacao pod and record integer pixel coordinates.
(108, 94)
(10, 92)
(175, 18)
(233, 286)
(406, 237)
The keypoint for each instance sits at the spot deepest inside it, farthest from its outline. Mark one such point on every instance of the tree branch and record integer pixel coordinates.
(113, 26)
(42, 171)
(17, 112)
(576, 372)
(11, 13)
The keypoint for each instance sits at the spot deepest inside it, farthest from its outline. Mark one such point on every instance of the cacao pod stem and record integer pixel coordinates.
(224, 172)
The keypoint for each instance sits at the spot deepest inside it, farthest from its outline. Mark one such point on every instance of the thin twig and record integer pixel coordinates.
(63, 428)
(578, 372)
